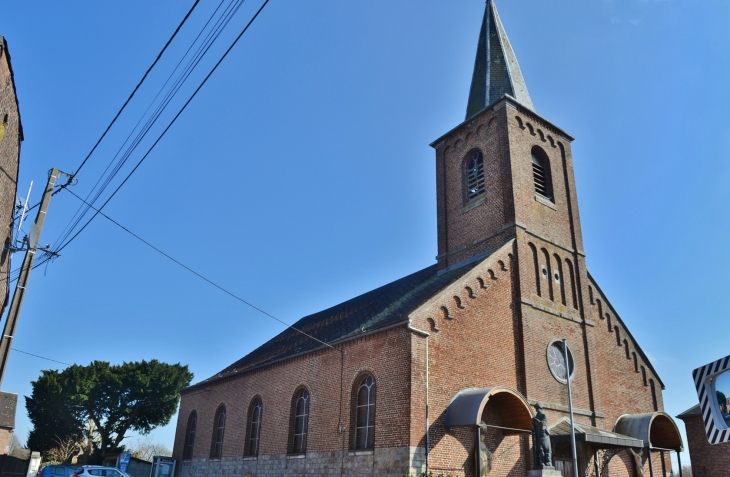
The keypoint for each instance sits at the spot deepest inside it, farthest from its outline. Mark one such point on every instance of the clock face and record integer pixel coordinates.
(556, 361)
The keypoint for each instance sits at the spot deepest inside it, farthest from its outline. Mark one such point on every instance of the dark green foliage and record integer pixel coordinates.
(133, 396)
(722, 401)
(50, 413)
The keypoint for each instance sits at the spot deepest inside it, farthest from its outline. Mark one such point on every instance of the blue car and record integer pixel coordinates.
(58, 471)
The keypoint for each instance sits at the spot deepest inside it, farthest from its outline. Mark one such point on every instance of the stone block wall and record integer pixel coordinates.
(388, 462)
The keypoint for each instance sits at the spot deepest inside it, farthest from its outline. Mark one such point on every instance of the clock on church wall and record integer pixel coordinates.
(556, 361)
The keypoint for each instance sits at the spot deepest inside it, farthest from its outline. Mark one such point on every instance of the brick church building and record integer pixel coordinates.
(440, 370)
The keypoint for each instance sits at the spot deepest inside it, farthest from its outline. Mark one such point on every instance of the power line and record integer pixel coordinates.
(135, 90)
(99, 212)
(41, 357)
(202, 50)
(245, 29)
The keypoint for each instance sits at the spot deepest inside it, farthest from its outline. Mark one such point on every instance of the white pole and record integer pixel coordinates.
(25, 206)
(570, 408)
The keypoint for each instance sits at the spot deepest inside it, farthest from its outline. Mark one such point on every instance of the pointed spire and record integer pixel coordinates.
(496, 71)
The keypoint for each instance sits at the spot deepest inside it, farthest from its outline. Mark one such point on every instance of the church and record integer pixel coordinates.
(446, 369)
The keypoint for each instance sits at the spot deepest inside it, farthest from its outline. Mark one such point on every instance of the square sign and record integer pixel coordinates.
(124, 459)
(713, 389)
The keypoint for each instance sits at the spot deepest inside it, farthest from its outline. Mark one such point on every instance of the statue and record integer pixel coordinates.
(639, 463)
(485, 457)
(541, 440)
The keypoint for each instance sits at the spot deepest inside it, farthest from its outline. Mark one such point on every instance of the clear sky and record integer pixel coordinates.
(301, 174)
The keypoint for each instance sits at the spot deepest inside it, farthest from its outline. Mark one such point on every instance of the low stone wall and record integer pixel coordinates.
(395, 461)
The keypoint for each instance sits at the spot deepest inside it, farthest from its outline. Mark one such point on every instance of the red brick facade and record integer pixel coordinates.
(520, 283)
(707, 460)
(11, 135)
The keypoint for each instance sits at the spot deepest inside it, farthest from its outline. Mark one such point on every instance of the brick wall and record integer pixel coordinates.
(466, 229)
(11, 133)
(473, 343)
(707, 460)
(624, 388)
(385, 355)
(6, 438)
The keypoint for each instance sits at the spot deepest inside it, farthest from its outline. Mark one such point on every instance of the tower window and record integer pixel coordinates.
(541, 173)
(475, 177)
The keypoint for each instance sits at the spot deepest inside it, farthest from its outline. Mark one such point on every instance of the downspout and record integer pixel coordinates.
(428, 425)
(428, 443)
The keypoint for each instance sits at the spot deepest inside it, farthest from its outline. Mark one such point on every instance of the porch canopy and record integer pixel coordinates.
(598, 438)
(466, 408)
(656, 429)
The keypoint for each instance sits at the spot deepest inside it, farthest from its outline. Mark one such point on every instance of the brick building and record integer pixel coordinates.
(11, 135)
(440, 370)
(707, 460)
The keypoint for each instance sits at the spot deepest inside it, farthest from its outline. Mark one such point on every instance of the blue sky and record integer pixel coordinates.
(301, 175)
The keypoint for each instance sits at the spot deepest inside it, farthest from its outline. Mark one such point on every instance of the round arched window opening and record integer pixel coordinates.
(474, 177)
(541, 173)
(556, 361)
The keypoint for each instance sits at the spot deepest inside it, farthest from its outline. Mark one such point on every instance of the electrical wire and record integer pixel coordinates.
(159, 138)
(211, 282)
(159, 55)
(41, 357)
(202, 50)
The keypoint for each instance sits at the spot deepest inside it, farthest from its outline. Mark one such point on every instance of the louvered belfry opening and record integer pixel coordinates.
(475, 177)
(541, 175)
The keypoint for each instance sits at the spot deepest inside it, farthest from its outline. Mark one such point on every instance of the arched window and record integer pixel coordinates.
(547, 273)
(559, 278)
(626, 347)
(643, 376)
(636, 362)
(300, 422)
(219, 427)
(654, 401)
(474, 176)
(365, 413)
(541, 173)
(536, 261)
(190, 436)
(253, 432)
(571, 275)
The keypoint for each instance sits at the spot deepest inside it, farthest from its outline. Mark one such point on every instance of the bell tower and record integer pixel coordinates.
(505, 170)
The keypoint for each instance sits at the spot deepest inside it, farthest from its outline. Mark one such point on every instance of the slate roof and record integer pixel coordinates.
(377, 309)
(560, 432)
(496, 71)
(693, 411)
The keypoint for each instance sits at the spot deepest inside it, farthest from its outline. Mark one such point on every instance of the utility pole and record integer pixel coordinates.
(566, 353)
(32, 242)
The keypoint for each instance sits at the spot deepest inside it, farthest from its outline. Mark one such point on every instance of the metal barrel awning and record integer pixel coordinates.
(467, 406)
(598, 438)
(657, 429)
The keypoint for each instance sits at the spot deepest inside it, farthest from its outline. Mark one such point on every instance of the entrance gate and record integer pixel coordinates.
(13, 467)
